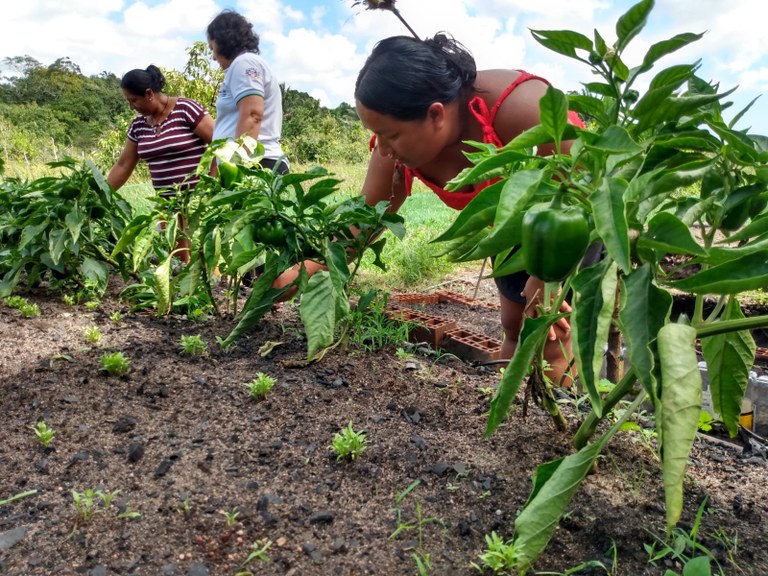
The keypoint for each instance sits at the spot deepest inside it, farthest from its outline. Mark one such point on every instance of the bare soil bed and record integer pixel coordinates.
(183, 442)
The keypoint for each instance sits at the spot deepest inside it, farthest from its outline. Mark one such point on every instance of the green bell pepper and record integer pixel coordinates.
(554, 241)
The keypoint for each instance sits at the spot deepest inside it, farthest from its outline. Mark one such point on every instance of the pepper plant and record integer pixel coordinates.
(675, 194)
(60, 228)
(250, 220)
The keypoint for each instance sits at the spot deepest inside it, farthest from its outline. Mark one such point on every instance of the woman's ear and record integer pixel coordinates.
(436, 113)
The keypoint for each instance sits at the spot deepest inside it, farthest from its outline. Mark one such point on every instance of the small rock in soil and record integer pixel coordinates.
(124, 424)
(135, 451)
(198, 570)
(411, 415)
(77, 457)
(322, 517)
(419, 442)
(12, 537)
(99, 570)
(339, 545)
(169, 570)
(440, 468)
(163, 468)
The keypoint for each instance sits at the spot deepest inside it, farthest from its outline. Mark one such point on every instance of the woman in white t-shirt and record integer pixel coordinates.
(250, 101)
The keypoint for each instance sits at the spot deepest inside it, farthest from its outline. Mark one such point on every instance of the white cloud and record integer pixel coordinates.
(318, 47)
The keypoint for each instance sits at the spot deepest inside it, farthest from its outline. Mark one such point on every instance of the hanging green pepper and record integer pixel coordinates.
(229, 173)
(554, 241)
(270, 233)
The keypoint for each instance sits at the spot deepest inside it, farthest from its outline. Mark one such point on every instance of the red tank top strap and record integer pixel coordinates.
(486, 118)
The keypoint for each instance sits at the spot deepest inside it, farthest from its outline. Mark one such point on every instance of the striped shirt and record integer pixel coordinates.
(175, 151)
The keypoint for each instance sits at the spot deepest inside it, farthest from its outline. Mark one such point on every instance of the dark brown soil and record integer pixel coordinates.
(182, 441)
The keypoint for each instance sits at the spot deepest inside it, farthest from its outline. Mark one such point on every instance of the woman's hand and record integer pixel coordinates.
(534, 297)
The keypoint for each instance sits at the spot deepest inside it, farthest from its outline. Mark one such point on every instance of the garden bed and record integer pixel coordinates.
(186, 446)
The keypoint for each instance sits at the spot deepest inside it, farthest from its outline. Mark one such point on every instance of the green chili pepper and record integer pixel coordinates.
(229, 173)
(69, 192)
(554, 241)
(271, 234)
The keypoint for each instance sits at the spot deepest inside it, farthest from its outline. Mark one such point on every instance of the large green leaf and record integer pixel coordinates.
(130, 232)
(595, 297)
(680, 407)
(338, 269)
(667, 233)
(532, 339)
(554, 114)
(614, 140)
(261, 298)
(645, 308)
(672, 109)
(95, 271)
(142, 245)
(517, 193)
(749, 272)
(632, 22)
(729, 359)
(495, 165)
(478, 214)
(318, 313)
(57, 243)
(30, 232)
(554, 485)
(74, 220)
(162, 286)
(661, 49)
(608, 209)
(563, 42)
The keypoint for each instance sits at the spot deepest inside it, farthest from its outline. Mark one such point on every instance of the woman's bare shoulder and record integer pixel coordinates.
(520, 109)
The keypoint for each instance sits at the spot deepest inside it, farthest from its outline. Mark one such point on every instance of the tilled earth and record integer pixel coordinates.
(179, 440)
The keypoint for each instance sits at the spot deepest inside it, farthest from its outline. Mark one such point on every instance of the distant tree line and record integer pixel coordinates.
(50, 111)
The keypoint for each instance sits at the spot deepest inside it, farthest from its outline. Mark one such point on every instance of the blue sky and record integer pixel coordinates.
(318, 47)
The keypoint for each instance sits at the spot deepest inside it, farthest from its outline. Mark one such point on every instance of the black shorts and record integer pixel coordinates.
(270, 163)
(512, 285)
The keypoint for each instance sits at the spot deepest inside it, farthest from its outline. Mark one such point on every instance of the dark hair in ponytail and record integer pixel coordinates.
(404, 75)
(137, 81)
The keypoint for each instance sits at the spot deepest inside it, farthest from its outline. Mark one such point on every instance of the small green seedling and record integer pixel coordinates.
(107, 497)
(231, 516)
(93, 305)
(18, 496)
(499, 556)
(128, 514)
(16, 302)
(348, 444)
(44, 434)
(260, 386)
(116, 317)
(68, 299)
(193, 345)
(29, 310)
(85, 504)
(258, 552)
(92, 334)
(115, 363)
(185, 507)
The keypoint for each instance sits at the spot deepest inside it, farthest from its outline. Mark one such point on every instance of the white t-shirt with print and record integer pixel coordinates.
(248, 74)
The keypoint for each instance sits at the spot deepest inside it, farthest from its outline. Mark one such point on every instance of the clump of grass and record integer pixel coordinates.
(193, 345)
(348, 444)
(92, 334)
(23, 305)
(260, 386)
(44, 433)
(115, 363)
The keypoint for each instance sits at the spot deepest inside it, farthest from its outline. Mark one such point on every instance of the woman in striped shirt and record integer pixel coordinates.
(170, 134)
